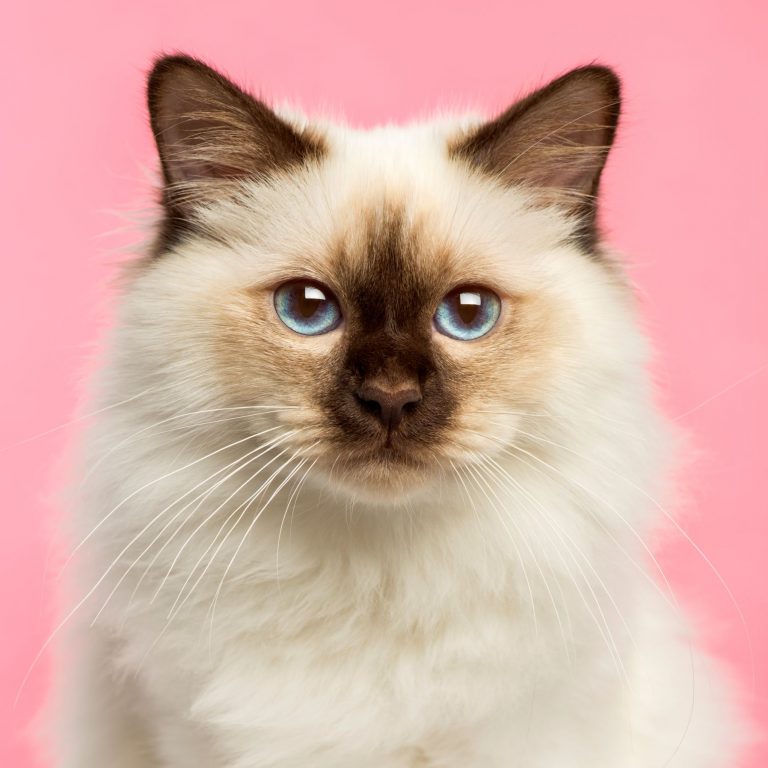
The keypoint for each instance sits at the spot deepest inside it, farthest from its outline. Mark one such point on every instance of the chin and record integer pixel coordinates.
(385, 476)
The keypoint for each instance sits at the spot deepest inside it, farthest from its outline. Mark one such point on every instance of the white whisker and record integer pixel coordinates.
(248, 531)
(480, 483)
(291, 501)
(243, 506)
(93, 589)
(241, 464)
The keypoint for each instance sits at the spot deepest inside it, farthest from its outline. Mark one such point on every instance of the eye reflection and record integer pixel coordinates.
(467, 313)
(307, 308)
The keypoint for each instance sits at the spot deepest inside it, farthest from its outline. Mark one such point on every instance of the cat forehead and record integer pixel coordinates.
(392, 242)
(387, 197)
(406, 165)
(401, 150)
(390, 263)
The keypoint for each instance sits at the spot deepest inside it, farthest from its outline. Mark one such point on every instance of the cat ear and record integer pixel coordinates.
(208, 130)
(555, 140)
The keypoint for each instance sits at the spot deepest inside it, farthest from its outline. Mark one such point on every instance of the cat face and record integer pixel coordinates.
(390, 302)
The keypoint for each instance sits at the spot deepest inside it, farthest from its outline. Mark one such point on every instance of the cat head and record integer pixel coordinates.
(392, 302)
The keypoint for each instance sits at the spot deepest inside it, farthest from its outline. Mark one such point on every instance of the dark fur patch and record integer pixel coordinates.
(210, 133)
(556, 140)
(390, 299)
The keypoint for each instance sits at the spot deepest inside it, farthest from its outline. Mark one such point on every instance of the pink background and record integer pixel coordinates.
(685, 197)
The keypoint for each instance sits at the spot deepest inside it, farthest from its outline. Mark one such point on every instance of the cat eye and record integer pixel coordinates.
(467, 313)
(307, 308)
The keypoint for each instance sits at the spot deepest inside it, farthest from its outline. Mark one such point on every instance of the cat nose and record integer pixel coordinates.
(388, 403)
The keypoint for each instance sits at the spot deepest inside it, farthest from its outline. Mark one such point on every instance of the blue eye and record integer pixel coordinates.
(307, 308)
(467, 313)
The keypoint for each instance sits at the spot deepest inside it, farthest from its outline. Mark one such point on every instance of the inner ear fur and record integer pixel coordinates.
(210, 132)
(554, 141)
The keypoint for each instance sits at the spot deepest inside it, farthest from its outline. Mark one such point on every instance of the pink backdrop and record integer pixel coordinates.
(686, 198)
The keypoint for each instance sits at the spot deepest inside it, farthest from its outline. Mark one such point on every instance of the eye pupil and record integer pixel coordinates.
(468, 307)
(307, 305)
(307, 308)
(467, 313)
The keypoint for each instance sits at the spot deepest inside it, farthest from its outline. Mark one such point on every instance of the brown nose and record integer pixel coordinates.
(388, 404)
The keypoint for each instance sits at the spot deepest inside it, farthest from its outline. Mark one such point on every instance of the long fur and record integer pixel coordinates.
(248, 594)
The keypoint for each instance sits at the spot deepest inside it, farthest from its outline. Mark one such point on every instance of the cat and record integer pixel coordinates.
(378, 458)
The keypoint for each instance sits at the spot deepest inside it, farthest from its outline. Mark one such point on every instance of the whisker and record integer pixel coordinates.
(675, 605)
(724, 391)
(578, 549)
(90, 592)
(683, 533)
(249, 529)
(544, 579)
(159, 480)
(76, 420)
(204, 522)
(475, 515)
(260, 410)
(211, 560)
(557, 529)
(507, 447)
(551, 417)
(241, 464)
(291, 499)
(480, 487)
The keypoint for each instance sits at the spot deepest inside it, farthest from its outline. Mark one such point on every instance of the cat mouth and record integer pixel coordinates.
(394, 454)
(382, 473)
(392, 457)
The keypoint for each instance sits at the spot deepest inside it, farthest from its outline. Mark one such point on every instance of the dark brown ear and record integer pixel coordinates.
(556, 141)
(210, 132)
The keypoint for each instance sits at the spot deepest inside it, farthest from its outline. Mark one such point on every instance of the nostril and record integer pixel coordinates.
(370, 406)
(410, 406)
(388, 405)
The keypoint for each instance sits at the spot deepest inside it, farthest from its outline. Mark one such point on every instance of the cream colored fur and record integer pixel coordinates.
(502, 611)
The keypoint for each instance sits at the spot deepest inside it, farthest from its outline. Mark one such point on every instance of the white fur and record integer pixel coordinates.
(525, 627)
